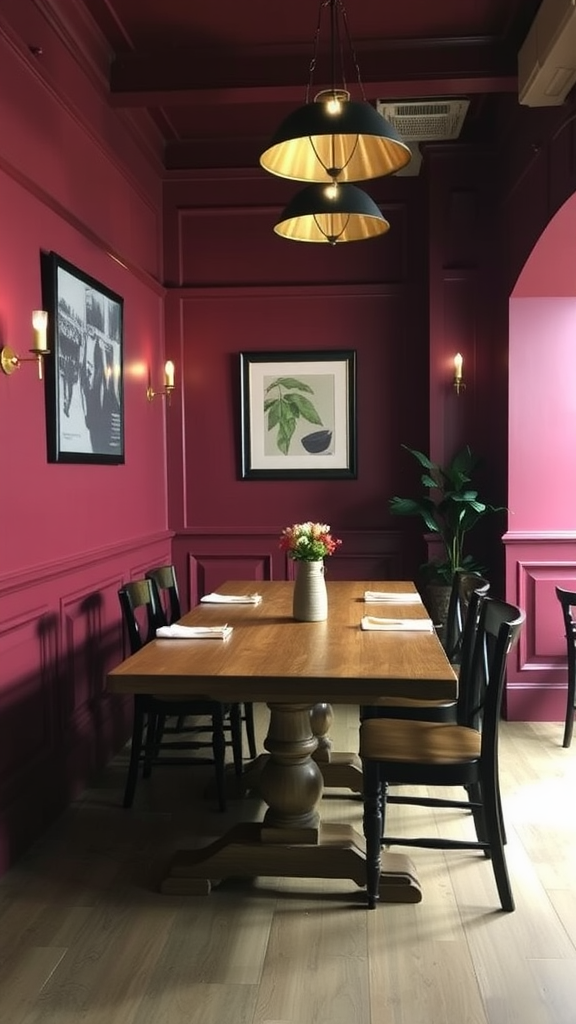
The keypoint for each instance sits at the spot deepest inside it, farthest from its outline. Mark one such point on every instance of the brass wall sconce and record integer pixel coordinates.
(10, 361)
(458, 382)
(169, 385)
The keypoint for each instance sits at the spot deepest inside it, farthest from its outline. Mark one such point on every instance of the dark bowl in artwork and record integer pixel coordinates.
(317, 442)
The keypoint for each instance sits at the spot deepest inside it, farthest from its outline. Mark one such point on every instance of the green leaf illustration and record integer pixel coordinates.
(284, 410)
(291, 383)
(302, 406)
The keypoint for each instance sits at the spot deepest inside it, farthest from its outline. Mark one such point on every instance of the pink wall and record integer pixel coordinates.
(542, 475)
(541, 538)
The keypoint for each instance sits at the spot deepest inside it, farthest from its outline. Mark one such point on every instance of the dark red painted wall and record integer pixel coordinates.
(74, 179)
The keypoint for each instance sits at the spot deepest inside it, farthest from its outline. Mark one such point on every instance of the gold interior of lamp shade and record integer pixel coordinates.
(331, 213)
(335, 137)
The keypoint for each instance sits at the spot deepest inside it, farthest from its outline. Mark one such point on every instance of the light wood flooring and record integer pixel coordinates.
(86, 938)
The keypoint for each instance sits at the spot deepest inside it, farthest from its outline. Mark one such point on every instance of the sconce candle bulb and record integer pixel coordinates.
(10, 361)
(169, 374)
(39, 326)
(459, 384)
(169, 385)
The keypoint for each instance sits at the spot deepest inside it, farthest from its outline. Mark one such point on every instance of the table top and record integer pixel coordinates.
(270, 657)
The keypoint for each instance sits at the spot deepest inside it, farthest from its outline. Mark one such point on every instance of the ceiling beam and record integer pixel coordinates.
(421, 68)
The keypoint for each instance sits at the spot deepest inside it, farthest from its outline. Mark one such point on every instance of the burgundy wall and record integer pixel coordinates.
(86, 182)
(72, 179)
(405, 303)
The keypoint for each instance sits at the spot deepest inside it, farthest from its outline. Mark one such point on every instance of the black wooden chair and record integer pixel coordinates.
(567, 600)
(165, 581)
(142, 616)
(465, 754)
(468, 592)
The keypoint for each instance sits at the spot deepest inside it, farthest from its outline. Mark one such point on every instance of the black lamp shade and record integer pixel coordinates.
(331, 213)
(353, 144)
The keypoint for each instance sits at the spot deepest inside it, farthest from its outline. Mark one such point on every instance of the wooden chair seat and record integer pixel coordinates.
(418, 743)
(409, 707)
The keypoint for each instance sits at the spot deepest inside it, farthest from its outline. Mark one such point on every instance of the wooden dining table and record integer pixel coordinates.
(294, 668)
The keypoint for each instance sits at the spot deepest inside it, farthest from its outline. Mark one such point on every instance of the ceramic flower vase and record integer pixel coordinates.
(310, 601)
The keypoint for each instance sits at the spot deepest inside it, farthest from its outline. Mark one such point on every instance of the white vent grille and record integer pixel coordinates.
(425, 120)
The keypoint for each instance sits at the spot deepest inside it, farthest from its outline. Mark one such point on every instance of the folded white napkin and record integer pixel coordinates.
(231, 599)
(385, 597)
(409, 625)
(177, 632)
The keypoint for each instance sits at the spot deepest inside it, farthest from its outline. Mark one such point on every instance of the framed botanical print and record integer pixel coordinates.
(298, 413)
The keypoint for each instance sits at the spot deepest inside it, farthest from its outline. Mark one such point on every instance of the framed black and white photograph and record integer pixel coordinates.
(298, 415)
(84, 383)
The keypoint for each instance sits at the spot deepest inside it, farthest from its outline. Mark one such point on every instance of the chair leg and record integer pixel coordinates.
(250, 734)
(136, 747)
(373, 827)
(474, 792)
(219, 751)
(495, 830)
(236, 732)
(569, 723)
(154, 730)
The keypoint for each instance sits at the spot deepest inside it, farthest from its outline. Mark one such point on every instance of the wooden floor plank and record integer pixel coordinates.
(86, 937)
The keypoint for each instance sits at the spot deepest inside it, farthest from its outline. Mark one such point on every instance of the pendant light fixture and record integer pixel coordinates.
(333, 213)
(334, 137)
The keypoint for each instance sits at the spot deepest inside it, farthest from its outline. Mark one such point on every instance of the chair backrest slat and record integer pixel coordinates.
(163, 579)
(567, 600)
(499, 628)
(137, 597)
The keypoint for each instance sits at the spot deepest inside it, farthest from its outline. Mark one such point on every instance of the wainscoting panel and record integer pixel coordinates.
(61, 632)
(536, 679)
(209, 571)
(205, 561)
(26, 687)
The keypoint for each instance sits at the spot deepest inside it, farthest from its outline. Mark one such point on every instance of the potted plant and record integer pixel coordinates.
(450, 507)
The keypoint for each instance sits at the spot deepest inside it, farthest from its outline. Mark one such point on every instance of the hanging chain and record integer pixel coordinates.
(337, 13)
(352, 50)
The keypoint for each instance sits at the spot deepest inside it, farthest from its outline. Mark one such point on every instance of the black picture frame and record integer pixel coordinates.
(84, 371)
(304, 426)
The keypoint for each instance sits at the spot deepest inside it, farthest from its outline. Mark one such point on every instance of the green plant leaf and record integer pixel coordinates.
(451, 509)
(422, 459)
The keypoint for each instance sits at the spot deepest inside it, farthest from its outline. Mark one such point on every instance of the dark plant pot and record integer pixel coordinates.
(436, 597)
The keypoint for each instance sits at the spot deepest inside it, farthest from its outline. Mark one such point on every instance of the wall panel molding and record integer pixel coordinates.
(536, 563)
(61, 632)
(206, 559)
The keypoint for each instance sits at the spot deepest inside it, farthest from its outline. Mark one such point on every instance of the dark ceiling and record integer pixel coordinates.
(218, 77)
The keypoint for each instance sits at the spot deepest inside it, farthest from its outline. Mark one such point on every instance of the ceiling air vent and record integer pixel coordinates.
(425, 120)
